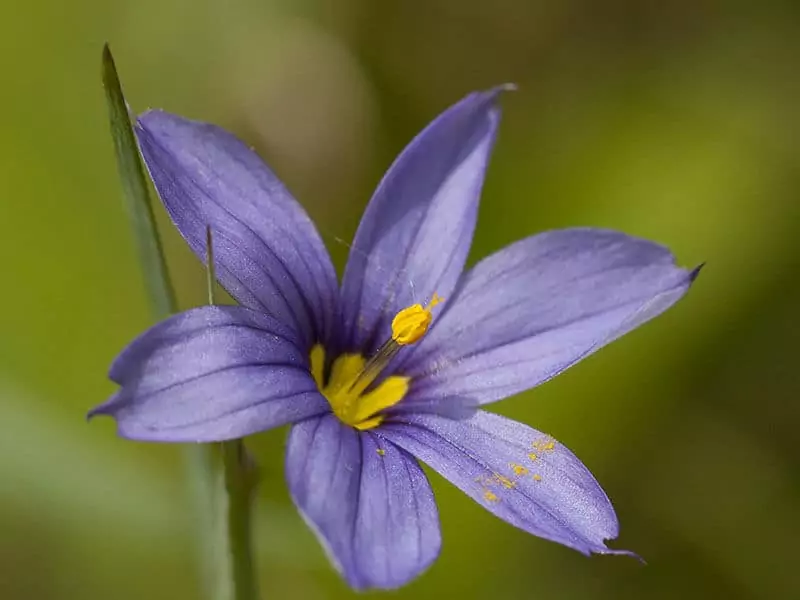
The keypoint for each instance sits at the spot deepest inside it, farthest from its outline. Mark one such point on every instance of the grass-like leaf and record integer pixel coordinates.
(137, 195)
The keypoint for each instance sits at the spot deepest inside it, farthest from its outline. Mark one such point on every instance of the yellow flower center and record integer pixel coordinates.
(351, 374)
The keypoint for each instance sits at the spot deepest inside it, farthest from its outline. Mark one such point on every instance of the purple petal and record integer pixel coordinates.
(269, 255)
(533, 309)
(415, 234)
(369, 502)
(211, 374)
(515, 473)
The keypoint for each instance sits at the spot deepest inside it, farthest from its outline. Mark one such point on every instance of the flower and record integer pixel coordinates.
(396, 364)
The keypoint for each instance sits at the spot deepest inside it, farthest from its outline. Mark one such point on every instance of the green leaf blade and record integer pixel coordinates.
(137, 195)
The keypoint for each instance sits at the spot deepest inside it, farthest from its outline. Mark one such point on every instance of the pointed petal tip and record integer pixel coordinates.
(696, 271)
(629, 553)
(495, 92)
(104, 409)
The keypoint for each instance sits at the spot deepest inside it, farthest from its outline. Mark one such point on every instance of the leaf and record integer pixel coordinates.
(137, 196)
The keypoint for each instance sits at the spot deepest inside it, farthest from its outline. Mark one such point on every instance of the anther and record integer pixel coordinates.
(408, 327)
(411, 323)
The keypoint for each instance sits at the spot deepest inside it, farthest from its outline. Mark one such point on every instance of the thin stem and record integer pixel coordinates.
(239, 484)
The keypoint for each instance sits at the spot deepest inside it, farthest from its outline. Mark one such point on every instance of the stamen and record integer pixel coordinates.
(408, 327)
(410, 324)
(346, 388)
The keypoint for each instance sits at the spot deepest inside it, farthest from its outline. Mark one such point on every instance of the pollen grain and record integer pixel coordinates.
(504, 481)
(544, 445)
(490, 496)
(519, 470)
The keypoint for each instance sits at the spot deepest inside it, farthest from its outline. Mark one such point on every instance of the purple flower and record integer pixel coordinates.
(394, 365)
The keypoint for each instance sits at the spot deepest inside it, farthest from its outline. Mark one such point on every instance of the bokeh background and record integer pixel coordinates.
(677, 121)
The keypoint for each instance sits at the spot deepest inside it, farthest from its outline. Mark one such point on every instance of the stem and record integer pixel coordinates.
(239, 484)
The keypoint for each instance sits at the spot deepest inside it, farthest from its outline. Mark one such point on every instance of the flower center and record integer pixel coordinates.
(352, 374)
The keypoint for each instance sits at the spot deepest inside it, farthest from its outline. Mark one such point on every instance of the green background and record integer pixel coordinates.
(676, 121)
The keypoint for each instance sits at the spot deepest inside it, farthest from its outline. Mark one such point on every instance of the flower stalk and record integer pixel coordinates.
(240, 480)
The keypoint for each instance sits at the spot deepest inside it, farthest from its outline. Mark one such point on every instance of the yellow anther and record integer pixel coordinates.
(537, 477)
(490, 496)
(381, 452)
(545, 445)
(411, 323)
(532, 456)
(519, 470)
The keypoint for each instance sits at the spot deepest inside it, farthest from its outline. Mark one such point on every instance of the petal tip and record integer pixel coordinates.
(98, 411)
(696, 271)
(104, 409)
(622, 553)
(494, 93)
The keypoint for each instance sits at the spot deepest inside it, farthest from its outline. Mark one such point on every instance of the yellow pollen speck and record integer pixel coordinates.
(490, 496)
(519, 470)
(545, 445)
(537, 477)
(411, 323)
(532, 456)
(504, 481)
(381, 452)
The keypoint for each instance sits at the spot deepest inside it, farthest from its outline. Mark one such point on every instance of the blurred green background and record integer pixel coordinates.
(677, 121)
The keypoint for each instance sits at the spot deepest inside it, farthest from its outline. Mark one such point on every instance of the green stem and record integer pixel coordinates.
(239, 485)
(227, 555)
